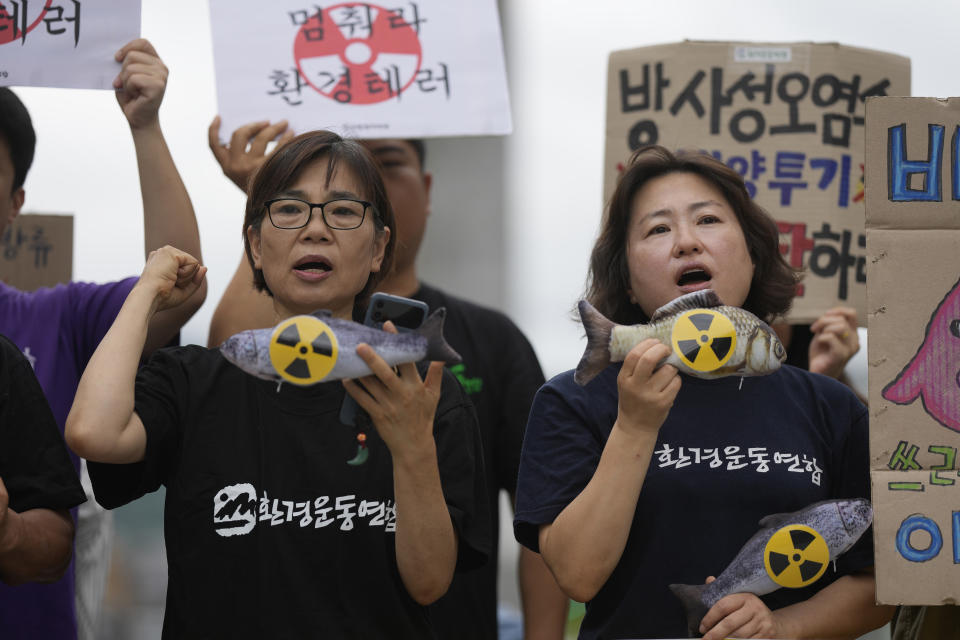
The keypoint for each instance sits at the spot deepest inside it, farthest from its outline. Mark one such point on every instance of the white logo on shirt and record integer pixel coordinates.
(234, 509)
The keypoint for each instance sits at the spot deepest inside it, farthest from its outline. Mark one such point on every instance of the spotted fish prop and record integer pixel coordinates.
(309, 349)
(709, 339)
(790, 550)
(933, 374)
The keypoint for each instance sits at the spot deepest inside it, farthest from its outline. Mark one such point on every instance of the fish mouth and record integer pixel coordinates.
(313, 264)
(692, 275)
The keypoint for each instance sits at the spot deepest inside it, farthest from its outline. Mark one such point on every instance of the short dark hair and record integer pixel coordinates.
(16, 129)
(281, 170)
(774, 281)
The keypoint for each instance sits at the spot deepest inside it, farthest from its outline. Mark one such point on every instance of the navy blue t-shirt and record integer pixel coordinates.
(727, 455)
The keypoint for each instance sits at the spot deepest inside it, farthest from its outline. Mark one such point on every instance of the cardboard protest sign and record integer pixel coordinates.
(788, 117)
(64, 43)
(363, 69)
(913, 300)
(37, 251)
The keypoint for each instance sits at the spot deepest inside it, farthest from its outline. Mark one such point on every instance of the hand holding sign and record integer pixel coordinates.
(835, 341)
(141, 83)
(247, 149)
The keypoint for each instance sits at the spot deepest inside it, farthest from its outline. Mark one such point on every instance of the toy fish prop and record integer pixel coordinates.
(709, 339)
(790, 550)
(933, 374)
(309, 349)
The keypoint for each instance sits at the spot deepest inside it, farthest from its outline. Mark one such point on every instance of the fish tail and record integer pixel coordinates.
(437, 347)
(596, 357)
(691, 596)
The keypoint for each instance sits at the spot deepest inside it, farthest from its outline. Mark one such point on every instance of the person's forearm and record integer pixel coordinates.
(35, 546)
(425, 540)
(846, 609)
(584, 544)
(168, 216)
(168, 219)
(545, 606)
(102, 409)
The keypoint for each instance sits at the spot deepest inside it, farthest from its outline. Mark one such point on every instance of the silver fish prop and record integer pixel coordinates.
(709, 339)
(306, 350)
(840, 523)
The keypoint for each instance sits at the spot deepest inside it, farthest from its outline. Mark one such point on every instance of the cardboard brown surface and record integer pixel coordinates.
(913, 300)
(788, 117)
(37, 251)
(928, 130)
(916, 524)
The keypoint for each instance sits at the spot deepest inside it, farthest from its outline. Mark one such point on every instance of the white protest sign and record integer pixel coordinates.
(386, 68)
(64, 43)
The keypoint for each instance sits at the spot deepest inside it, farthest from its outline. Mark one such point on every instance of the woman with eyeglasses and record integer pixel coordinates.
(269, 532)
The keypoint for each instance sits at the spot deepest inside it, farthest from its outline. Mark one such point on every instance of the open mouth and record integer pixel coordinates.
(313, 266)
(693, 276)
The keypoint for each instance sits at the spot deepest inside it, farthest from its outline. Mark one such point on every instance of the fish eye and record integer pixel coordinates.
(955, 328)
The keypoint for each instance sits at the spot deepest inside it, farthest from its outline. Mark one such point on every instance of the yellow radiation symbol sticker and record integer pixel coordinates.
(303, 350)
(796, 556)
(703, 339)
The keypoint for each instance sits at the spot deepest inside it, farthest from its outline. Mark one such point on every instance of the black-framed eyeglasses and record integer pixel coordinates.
(293, 213)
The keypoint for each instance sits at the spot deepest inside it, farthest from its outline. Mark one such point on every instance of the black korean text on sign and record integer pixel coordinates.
(648, 91)
(359, 53)
(20, 18)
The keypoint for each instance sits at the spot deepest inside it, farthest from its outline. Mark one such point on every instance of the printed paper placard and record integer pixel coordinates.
(366, 70)
(64, 43)
(913, 300)
(788, 117)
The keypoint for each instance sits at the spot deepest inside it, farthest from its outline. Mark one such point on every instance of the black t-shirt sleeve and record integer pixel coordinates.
(161, 389)
(460, 460)
(34, 463)
(561, 451)
(519, 381)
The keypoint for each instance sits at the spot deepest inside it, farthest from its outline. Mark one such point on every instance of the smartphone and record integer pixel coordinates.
(405, 313)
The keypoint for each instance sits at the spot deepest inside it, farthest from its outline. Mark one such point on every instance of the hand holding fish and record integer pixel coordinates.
(402, 407)
(171, 276)
(741, 615)
(709, 339)
(645, 392)
(835, 341)
(400, 404)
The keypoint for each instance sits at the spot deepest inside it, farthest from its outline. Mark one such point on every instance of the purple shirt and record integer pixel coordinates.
(57, 330)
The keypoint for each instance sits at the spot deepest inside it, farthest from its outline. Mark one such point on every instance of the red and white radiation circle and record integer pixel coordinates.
(358, 53)
(16, 22)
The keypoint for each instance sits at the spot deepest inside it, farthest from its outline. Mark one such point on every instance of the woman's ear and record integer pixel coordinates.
(379, 249)
(253, 237)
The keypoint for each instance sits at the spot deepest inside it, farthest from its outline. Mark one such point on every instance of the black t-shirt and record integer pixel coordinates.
(726, 456)
(269, 532)
(500, 374)
(34, 463)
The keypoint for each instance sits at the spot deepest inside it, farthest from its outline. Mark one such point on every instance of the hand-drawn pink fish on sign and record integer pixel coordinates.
(934, 373)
